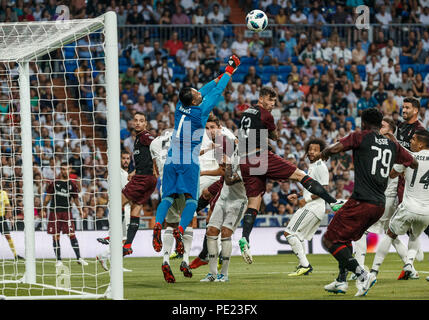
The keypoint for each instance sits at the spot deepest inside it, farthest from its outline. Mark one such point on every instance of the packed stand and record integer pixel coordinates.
(325, 75)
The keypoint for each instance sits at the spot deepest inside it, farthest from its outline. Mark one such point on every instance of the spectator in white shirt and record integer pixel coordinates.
(396, 76)
(276, 85)
(343, 52)
(216, 33)
(424, 16)
(374, 67)
(395, 52)
(324, 53)
(383, 17)
(425, 41)
(224, 51)
(240, 47)
(192, 62)
(298, 17)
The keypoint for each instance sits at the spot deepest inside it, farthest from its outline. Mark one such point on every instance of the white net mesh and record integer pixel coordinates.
(68, 103)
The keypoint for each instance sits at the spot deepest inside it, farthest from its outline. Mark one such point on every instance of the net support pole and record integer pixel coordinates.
(113, 153)
(27, 172)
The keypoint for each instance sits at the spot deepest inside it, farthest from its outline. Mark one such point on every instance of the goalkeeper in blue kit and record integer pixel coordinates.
(182, 169)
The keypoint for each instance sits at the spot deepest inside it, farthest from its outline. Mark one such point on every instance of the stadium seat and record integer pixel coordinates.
(179, 76)
(285, 69)
(178, 69)
(405, 60)
(249, 61)
(265, 77)
(238, 77)
(269, 69)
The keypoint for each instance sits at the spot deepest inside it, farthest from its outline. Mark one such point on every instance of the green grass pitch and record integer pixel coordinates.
(267, 279)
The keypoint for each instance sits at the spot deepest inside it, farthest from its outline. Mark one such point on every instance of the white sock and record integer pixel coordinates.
(212, 249)
(401, 249)
(167, 243)
(187, 243)
(106, 253)
(360, 250)
(413, 246)
(382, 251)
(226, 254)
(297, 248)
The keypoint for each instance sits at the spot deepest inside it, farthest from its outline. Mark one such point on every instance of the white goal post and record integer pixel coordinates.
(23, 44)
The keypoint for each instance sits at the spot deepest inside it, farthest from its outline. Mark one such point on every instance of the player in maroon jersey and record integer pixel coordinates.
(406, 130)
(404, 133)
(142, 181)
(257, 163)
(373, 159)
(60, 193)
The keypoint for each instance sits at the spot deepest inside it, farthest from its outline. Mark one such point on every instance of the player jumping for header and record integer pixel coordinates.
(182, 170)
(258, 164)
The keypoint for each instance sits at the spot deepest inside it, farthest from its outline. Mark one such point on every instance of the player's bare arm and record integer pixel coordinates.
(217, 172)
(273, 135)
(45, 204)
(329, 151)
(230, 177)
(131, 175)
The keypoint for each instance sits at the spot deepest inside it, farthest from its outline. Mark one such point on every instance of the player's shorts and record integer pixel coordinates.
(382, 225)
(257, 168)
(61, 221)
(176, 209)
(140, 188)
(215, 189)
(227, 215)
(4, 227)
(181, 178)
(352, 220)
(207, 181)
(404, 220)
(303, 225)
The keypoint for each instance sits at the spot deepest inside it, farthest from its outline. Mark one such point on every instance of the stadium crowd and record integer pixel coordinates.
(324, 80)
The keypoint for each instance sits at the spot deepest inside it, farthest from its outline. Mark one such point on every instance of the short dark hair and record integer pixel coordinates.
(415, 102)
(373, 117)
(213, 118)
(185, 96)
(423, 136)
(268, 91)
(140, 113)
(319, 141)
(125, 152)
(391, 123)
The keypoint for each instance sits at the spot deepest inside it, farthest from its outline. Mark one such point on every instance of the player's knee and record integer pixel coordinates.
(212, 231)
(298, 175)
(326, 243)
(226, 233)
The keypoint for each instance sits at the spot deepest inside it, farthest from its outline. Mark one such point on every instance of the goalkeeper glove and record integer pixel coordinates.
(233, 63)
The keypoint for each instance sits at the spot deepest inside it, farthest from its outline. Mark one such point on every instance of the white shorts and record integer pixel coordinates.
(227, 215)
(382, 225)
(176, 209)
(207, 181)
(403, 221)
(304, 224)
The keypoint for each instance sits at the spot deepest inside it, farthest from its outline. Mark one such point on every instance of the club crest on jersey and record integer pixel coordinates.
(381, 141)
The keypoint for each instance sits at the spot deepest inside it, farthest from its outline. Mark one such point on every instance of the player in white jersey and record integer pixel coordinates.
(159, 149)
(381, 226)
(412, 215)
(105, 256)
(226, 216)
(306, 220)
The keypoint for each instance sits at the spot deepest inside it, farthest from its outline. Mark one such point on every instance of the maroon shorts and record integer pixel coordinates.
(139, 188)
(215, 189)
(60, 222)
(256, 169)
(352, 220)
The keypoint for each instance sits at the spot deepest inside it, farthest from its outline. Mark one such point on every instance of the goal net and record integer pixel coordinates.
(59, 149)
